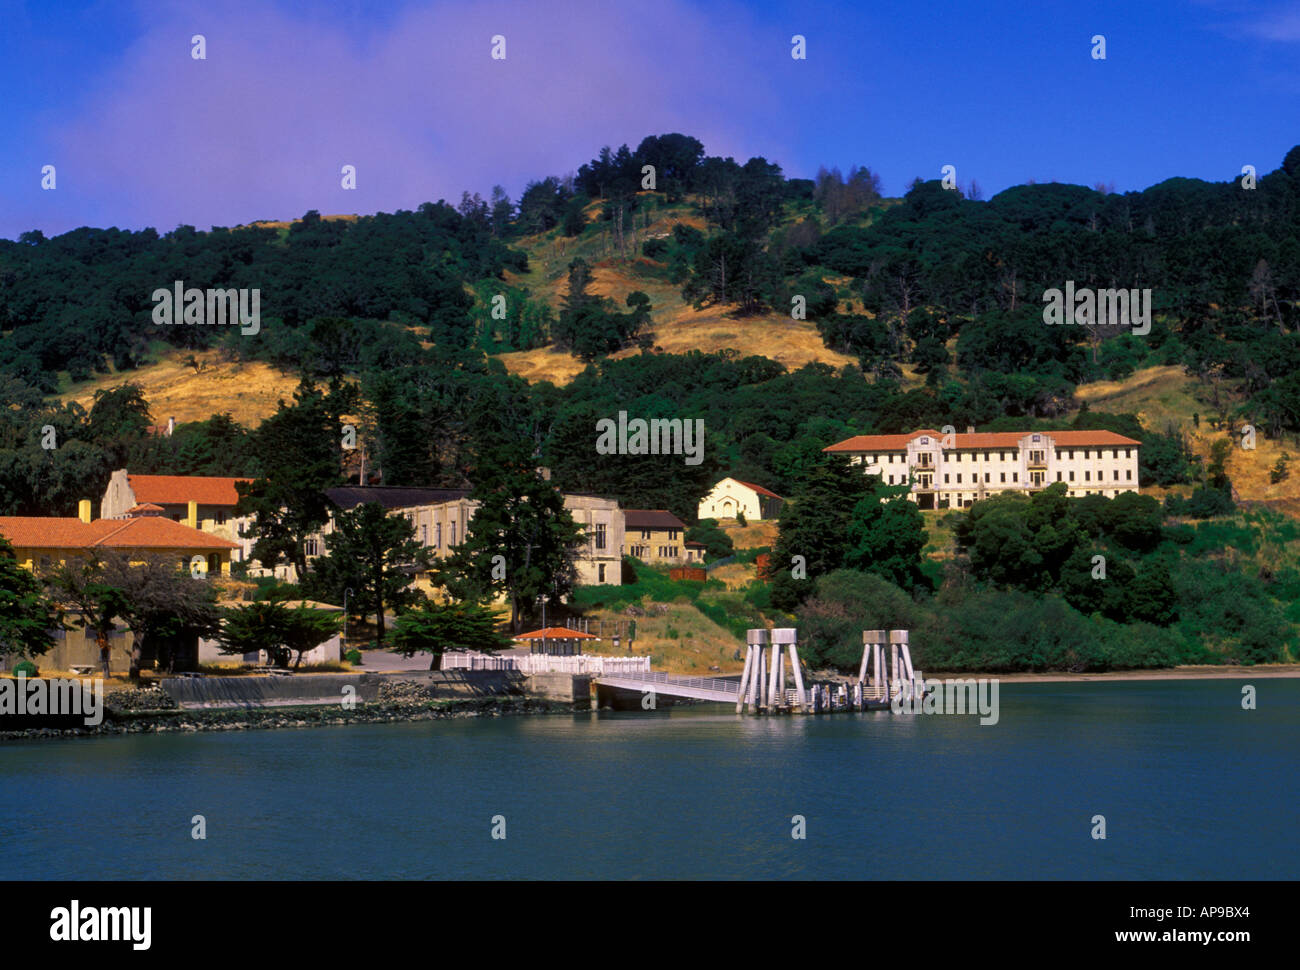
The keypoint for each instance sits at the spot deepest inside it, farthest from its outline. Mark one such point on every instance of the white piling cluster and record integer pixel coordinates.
(762, 685)
(881, 676)
(881, 682)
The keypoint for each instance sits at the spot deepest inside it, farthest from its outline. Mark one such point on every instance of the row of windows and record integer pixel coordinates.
(1013, 455)
(1037, 477)
(643, 552)
(1072, 493)
(1015, 477)
(648, 534)
(1087, 476)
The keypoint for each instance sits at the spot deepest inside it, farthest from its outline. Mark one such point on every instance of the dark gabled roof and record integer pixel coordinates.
(348, 497)
(651, 519)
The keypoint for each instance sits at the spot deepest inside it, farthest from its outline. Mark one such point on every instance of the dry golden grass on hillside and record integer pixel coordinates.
(286, 223)
(678, 638)
(792, 343)
(1248, 469)
(1166, 396)
(751, 535)
(248, 390)
(1159, 396)
(737, 575)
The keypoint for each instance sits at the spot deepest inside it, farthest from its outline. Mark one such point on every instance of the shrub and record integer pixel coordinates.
(845, 603)
(25, 668)
(717, 544)
(353, 657)
(655, 248)
(1280, 471)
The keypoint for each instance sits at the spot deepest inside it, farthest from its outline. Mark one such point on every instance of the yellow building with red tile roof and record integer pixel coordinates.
(43, 542)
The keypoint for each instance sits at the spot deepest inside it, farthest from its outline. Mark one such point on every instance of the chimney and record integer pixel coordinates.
(970, 429)
(192, 515)
(83, 510)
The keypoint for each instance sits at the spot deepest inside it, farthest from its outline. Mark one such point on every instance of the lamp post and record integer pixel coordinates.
(346, 593)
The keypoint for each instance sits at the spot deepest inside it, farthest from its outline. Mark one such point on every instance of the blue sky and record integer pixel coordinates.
(142, 134)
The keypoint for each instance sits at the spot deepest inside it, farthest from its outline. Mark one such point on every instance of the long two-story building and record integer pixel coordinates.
(442, 517)
(956, 470)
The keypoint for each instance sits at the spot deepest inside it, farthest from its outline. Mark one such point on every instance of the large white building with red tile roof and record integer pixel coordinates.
(954, 470)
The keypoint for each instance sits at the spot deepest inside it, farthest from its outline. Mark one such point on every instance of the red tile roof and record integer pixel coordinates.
(758, 488)
(987, 439)
(146, 532)
(180, 489)
(557, 633)
(651, 519)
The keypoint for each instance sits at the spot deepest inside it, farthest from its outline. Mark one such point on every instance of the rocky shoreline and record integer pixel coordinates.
(152, 711)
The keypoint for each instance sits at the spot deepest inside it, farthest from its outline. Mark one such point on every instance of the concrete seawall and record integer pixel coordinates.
(302, 690)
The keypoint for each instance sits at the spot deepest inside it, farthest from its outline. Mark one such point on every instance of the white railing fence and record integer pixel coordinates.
(537, 663)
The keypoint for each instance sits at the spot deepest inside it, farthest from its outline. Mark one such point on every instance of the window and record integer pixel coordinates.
(986, 477)
(1129, 475)
(645, 535)
(310, 547)
(451, 534)
(424, 535)
(1128, 452)
(959, 478)
(221, 518)
(945, 478)
(1058, 476)
(600, 543)
(1071, 476)
(1015, 476)
(1087, 476)
(1004, 476)
(437, 534)
(600, 573)
(1117, 474)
